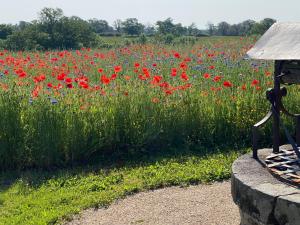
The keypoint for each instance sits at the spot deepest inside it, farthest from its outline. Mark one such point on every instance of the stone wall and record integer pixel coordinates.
(262, 199)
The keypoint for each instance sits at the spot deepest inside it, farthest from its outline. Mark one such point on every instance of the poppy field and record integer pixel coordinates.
(62, 107)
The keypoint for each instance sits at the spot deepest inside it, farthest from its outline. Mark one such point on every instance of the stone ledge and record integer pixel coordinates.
(263, 199)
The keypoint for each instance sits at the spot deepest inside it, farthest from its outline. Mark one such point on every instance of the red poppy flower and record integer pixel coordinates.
(141, 77)
(267, 73)
(96, 87)
(217, 78)
(39, 78)
(184, 76)
(42, 77)
(35, 92)
(227, 84)
(118, 69)
(59, 86)
(113, 76)
(156, 79)
(254, 83)
(164, 85)
(206, 75)
(173, 72)
(188, 59)
(146, 72)
(177, 55)
(168, 92)
(84, 84)
(22, 74)
(183, 66)
(70, 86)
(61, 76)
(104, 79)
(68, 80)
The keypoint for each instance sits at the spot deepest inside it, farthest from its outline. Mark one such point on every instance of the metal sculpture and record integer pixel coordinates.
(280, 43)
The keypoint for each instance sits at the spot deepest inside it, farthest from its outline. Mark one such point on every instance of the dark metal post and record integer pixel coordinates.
(298, 130)
(276, 115)
(254, 142)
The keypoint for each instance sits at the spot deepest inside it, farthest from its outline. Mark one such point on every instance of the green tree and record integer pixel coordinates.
(65, 32)
(223, 29)
(31, 37)
(179, 30)
(74, 32)
(132, 26)
(245, 27)
(261, 27)
(166, 26)
(192, 30)
(149, 30)
(100, 26)
(118, 25)
(22, 25)
(49, 19)
(5, 30)
(211, 28)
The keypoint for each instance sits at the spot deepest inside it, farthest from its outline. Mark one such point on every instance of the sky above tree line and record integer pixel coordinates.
(149, 11)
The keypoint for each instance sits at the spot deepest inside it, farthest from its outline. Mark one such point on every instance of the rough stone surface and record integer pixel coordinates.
(195, 205)
(263, 199)
(248, 220)
(287, 209)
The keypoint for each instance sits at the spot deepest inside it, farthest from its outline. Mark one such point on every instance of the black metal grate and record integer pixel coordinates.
(285, 165)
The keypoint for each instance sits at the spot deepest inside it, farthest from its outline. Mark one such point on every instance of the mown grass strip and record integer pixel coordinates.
(39, 197)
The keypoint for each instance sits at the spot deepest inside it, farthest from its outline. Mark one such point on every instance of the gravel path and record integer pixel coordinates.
(202, 204)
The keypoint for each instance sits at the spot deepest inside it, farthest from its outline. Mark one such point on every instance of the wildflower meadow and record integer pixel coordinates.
(63, 107)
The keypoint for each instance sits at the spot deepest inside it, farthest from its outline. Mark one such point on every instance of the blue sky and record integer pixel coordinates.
(149, 11)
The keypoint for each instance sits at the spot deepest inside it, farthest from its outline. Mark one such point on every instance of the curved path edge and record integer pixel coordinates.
(201, 204)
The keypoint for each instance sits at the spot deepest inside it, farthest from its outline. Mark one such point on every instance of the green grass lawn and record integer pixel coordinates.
(44, 197)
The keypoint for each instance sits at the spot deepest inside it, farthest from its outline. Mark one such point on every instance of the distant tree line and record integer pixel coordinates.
(53, 30)
(248, 27)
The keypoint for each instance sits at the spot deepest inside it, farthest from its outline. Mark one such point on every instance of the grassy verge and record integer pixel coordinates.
(40, 197)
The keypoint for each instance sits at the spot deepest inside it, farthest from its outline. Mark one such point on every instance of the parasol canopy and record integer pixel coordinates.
(280, 42)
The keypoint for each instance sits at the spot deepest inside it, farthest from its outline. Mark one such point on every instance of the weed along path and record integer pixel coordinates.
(201, 204)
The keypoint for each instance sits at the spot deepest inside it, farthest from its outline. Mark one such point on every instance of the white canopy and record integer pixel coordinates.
(280, 42)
